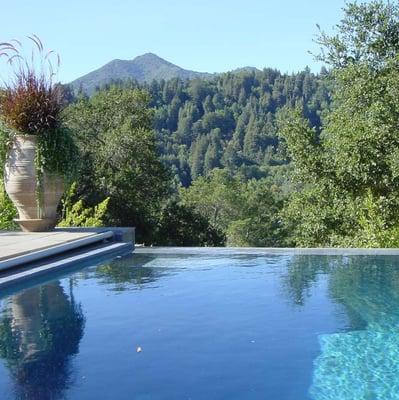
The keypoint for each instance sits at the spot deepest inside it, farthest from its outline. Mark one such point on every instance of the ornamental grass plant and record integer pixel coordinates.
(31, 103)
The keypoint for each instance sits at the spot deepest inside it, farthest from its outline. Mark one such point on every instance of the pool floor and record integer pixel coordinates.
(164, 326)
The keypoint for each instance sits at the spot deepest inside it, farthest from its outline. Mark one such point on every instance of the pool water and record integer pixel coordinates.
(206, 326)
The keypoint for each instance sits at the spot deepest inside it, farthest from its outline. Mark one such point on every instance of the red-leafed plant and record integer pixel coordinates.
(30, 103)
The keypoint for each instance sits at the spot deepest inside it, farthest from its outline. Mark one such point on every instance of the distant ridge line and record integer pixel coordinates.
(144, 68)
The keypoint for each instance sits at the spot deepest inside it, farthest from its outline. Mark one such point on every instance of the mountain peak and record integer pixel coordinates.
(144, 68)
(152, 58)
(149, 55)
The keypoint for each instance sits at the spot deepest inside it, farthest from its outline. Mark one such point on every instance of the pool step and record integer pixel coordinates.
(29, 272)
(36, 255)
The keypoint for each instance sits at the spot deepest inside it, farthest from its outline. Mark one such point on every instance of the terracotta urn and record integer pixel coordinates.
(37, 209)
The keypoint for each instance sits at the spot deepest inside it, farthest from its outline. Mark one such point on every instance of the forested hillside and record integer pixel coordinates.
(249, 158)
(218, 140)
(230, 121)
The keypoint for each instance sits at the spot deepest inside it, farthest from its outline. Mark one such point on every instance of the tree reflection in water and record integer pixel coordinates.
(130, 272)
(368, 287)
(364, 361)
(40, 331)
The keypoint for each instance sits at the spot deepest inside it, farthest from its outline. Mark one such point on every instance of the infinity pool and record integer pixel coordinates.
(206, 326)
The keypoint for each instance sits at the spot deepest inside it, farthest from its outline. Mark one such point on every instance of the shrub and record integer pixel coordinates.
(77, 215)
(7, 212)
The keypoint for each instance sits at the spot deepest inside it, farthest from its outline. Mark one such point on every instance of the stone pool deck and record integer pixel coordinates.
(13, 244)
(20, 248)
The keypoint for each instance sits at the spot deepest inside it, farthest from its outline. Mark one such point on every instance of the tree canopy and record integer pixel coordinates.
(348, 174)
(252, 158)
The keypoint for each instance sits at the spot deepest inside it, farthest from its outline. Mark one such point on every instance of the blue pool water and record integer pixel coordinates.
(206, 326)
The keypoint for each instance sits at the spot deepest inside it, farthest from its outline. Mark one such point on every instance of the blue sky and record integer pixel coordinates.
(203, 35)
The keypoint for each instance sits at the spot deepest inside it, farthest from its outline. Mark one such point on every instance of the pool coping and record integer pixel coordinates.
(115, 248)
(265, 251)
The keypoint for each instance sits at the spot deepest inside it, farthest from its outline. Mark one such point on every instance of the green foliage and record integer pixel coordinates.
(230, 121)
(246, 212)
(216, 136)
(374, 230)
(368, 33)
(259, 223)
(319, 215)
(7, 212)
(5, 143)
(347, 175)
(263, 158)
(76, 214)
(57, 153)
(217, 198)
(181, 225)
(302, 142)
(114, 136)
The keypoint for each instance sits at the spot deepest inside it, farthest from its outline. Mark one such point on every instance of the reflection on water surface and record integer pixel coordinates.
(237, 327)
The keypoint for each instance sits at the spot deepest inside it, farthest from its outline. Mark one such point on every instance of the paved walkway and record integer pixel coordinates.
(14, 244)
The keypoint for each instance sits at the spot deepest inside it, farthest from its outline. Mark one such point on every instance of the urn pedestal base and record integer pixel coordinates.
(36, 225)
